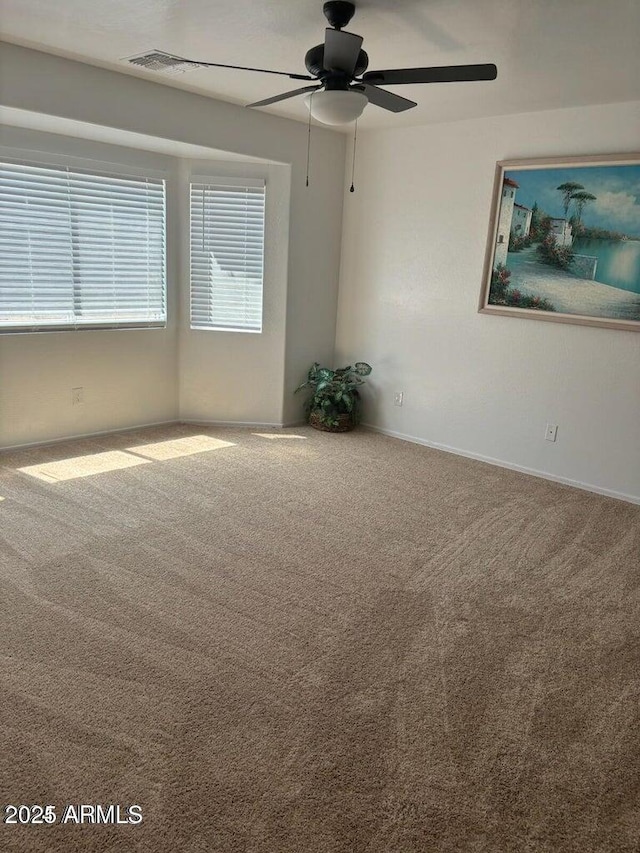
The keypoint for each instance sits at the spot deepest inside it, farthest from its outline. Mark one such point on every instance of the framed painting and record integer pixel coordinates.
(564, 241)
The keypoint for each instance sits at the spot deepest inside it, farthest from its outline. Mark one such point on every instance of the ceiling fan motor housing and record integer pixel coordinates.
(314, 60)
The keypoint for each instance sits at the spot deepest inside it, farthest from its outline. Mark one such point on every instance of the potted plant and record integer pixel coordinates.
(334, 404)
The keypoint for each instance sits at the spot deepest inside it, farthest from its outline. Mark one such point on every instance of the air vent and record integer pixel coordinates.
(157, 60)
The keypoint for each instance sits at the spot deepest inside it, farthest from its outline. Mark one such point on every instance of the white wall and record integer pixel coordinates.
(129, 376)
(304, 325)
(413, 250)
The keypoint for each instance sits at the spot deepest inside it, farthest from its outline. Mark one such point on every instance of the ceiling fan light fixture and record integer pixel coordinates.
(336, 106)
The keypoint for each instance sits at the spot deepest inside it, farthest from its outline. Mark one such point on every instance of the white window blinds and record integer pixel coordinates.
(227, 254)
(80, 249)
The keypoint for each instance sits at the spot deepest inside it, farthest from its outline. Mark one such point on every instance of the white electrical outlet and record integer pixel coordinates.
(77, 396)
(398, 397)
(551, 432)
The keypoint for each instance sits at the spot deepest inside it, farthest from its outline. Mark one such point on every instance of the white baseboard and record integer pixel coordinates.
(49, 441)
(251, 424)
(566, 481)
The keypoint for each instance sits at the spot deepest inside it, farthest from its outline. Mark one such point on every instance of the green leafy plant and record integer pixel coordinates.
(334, 392)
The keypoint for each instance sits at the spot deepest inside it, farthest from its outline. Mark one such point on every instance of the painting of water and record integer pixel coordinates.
(564, 241)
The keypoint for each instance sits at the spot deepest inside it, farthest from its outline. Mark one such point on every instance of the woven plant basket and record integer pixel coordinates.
(345, 423)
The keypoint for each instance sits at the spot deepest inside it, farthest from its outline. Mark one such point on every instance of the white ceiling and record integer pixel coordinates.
(549, 53)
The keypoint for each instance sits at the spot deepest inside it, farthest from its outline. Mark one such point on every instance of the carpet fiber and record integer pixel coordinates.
(299, 642)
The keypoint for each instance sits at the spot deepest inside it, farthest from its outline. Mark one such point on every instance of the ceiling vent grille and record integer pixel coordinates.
(157, 60)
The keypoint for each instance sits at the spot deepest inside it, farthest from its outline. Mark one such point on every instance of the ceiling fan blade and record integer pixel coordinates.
(245, 68)
(443, 74)
(386, 100)
(341, 51)
(284, 96)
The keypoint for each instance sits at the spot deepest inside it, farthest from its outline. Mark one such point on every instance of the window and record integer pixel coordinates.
(80, 249)
(227, 254)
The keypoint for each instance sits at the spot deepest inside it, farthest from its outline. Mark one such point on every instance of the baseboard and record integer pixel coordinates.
(251, 424)
(566, 481)
(48, 441)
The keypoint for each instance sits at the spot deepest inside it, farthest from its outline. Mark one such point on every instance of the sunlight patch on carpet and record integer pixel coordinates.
(83, 466)
(278, 435)
(180, 447)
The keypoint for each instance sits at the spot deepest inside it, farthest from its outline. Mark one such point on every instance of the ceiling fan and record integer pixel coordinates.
(342, 85)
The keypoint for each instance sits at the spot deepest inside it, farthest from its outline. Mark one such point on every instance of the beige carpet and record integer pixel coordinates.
(315, 644)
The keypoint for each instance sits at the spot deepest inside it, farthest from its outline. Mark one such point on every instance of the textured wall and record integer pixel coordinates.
(413, 251)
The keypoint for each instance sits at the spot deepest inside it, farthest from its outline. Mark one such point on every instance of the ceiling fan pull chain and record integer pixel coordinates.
(309, 138)
(352, 188)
